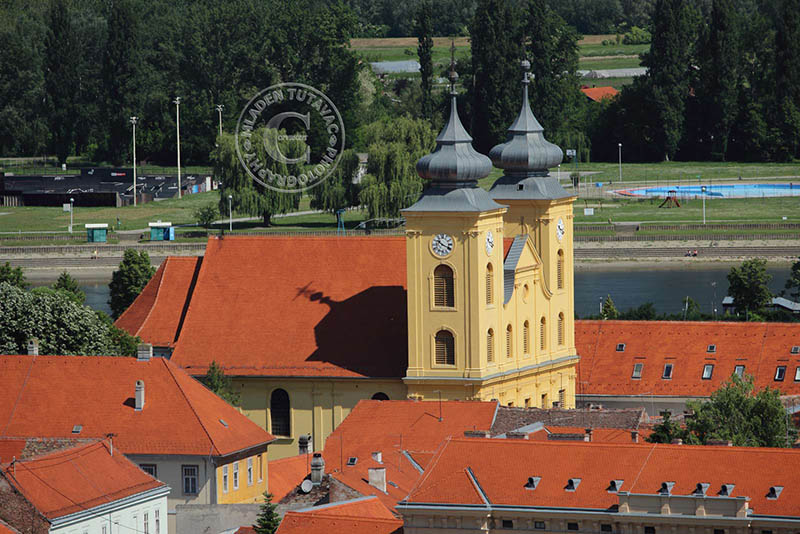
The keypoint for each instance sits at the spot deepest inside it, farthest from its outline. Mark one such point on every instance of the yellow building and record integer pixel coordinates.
(475, 302)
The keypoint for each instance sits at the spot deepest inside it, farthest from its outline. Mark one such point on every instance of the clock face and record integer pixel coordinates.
(442, 245)
(560, 229)
(489, 242)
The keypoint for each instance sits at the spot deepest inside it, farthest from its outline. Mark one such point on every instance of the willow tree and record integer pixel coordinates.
(339, 190)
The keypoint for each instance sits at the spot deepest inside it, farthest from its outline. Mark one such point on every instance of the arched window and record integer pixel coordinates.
(542, 334)
(381, 396)
(560, 328)
(279, 413)
(560, 269)
(490, 345)
(489, 284)
(445, 348)
(526, 338)
(443, 287)
(509, 341)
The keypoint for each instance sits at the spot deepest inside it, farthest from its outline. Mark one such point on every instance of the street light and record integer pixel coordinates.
(220, 107)
(230, 213)
(703, 190)
(620, 161)
(177, 102)
(71, 209)
(133, 122)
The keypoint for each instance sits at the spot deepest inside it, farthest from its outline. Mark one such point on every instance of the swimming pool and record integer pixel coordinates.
(716, 191)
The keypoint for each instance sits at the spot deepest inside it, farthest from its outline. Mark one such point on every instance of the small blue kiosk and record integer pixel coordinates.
(96, 233)
(161, 231)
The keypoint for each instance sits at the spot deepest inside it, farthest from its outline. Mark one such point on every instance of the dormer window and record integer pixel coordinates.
(797, 374)
(774, 492)
(739, 371)
(614, 486)
(532, 483)
(726, 490)
(701, 488)
(667, 375)
(351, 461)
(708, 370)
(572, 484)
(666, 488)
(620, 347)
(77, 429)
(796, 349)
(711, 348)
(637, 370)
(780, 373)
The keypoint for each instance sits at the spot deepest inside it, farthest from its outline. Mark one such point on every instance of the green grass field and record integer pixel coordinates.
(608, 63)
(671, 171)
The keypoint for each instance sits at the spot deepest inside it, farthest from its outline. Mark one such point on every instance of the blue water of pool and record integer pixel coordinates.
(716, 191)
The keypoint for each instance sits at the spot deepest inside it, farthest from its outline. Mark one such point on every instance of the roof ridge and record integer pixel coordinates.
(323, 515)
(191, 407)
(130, 307)
(431, 465)
(158, 293)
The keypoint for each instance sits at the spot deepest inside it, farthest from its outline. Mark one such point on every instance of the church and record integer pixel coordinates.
(474, 302)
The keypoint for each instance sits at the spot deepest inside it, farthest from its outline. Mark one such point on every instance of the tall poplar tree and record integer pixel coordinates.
(423, 28)
(787, 77)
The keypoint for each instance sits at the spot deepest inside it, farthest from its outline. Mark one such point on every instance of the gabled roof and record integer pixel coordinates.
(157, 313)
(47, 396)
(599, 93)
(77, 479)
(759, 347)
(359, 516)
(286, 473)
(642, 468)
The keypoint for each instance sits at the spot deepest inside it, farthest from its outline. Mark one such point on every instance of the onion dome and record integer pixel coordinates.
(526, 153)
(454, 163)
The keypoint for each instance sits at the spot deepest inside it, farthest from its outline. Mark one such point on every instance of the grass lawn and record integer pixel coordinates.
(680, 170)
(589, 63)
(597, 49)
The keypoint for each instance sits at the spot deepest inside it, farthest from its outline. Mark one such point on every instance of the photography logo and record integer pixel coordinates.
(301, 110)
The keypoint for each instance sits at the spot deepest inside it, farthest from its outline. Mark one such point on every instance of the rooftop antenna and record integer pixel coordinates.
(440, 403)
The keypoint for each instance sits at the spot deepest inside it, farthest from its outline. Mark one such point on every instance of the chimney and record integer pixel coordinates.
(635, 436)
(139, 395)
(144, 351)
(377, 478)
(317, 468)
(33, 347)
(377, 456)
(588, 436)
(677, 441)
(302, 443)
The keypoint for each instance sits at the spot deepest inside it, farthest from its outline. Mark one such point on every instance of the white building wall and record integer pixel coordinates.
(145, 513)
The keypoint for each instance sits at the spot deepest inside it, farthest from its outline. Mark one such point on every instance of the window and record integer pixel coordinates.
(797, 374)
(539, 525)
(445, 348)
(381, 396)
(719, 531)
(526, 338)
(249, 471)
(190, 479)
(236, 475)
(261, 466)
(562, 398)
(224, 479)
(667, 371)
(605, 527)
(780, 373)
(708, 370)
(508, 523)
(279, 409)
(572, 526)
(739, 370)
(150, 469)
(528, 402)
(542, 332)
(620, 347)
(158, 522)
(560, 328)
(146, 523)
(560, 270)
(443, 287)
(489, 284)
(351, 461)
(509, 342)
(796, 349)
(711, 348)
(637, 370)
(544, 401)
(490, 346)
(649, 530)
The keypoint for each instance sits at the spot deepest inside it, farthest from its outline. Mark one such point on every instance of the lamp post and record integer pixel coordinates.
(220, 107)
(230, 213)
(71, 210)
(177, 102)
(620, 161)
(133, 122)
(703, 190)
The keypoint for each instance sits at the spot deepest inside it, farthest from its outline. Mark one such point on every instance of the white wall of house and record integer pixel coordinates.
(143, 513)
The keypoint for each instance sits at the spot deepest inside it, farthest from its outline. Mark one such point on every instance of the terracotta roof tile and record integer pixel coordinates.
(80, 478)
(285, 474)
(642, 468)
(599, 435)
(46, 396)
(157, 313)
(599, 93)
(11, 448)
(5, 528)
(513, 418)
(359, 516)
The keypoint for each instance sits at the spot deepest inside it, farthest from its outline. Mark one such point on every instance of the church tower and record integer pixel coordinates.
(454, 250)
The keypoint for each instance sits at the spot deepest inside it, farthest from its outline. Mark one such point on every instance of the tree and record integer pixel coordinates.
(61, 325)
(787, 59)
(128, 281)
(748, 284)
(339, 190)
(205, 215)
(423, 28)
(216, 381)
(666, 431)
(609, 310)
(735, 413)
(793, 283)
(66, 283)
(13, 275)
(268, 519)
(495, 45)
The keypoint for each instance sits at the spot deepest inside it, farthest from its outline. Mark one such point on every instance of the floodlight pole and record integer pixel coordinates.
(71, 209)
(178, 127)
(620, 162)
(220, 107)
(133, 122)
(703, 190)
(230, 213)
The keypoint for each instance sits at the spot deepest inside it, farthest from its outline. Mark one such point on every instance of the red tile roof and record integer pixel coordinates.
(285, 474)
(642, 468)
(5, 528)
(599, 435)
(156, 314)
(359, 516)
(11, 448)
(760, 347)
(599, 93)
(77, 479)
(46, 396)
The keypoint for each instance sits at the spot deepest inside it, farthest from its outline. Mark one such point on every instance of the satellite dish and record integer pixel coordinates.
(306, 486)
